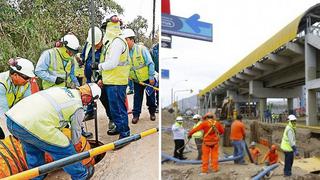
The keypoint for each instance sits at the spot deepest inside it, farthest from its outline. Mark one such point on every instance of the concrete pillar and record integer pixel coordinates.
(290, 105)
(216, 101)
(311, 74)
(262, 108)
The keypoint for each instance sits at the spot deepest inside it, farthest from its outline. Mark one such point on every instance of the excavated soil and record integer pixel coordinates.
(228, 170)
(138, 160)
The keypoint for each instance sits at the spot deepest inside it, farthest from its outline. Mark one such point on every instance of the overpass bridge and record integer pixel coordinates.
(285, 66)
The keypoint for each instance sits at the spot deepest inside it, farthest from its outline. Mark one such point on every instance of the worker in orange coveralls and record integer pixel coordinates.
(271, 156)
(212, 129)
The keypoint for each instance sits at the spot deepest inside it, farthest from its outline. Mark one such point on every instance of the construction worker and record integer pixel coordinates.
(142, 70)
(155, 57)
(237, 137)
(271, 156)
(14, 86)
(56, 66)
(255, 152)
(37, 121)
(212, 129)
(86, 59)
(198, 136)
(115, 66)
(178, 137)
(288, 144)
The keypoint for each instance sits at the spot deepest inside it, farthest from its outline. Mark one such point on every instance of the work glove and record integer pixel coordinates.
(59, 80)
(151, 82)
(189, 137)
(95, 66)
(295, 151)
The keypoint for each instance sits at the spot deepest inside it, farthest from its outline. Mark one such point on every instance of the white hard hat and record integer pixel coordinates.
(23, 66)
(97, 35)
(71, 42)
(95, 90)
(127, 33)
(292, 117)
(196, 116)
(253, 143)
(179, 119)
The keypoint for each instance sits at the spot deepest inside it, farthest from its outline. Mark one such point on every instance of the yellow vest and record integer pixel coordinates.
(78, 71)
(139, 71)
(12, 97)
(285, 145)
(45, 113)
(57, 68)
(198, 134)
(120, 74)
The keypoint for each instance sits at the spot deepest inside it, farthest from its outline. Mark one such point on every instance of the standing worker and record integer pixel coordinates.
(142, 70)
(288, 144)
(115, 66)
(38, 119)
(14, 86)
(198, 135)
(56, 66)
(212, 129)
(255, 152)
(238, 136)
(178, 137)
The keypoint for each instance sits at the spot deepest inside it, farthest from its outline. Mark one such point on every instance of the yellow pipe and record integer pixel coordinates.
(145, 84)
(148, 132)
(31, 173)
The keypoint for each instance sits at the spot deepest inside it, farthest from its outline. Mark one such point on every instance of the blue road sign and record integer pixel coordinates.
(165, 73)
(186, 27)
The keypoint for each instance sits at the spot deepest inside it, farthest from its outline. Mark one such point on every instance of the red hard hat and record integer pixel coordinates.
(273, 147)
(208, 115)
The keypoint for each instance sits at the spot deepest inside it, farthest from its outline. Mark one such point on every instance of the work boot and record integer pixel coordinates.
(90, 170)
(111, 125)
(89, 116)
(135, 120)
(152, 117)
(112, 132)
(183, 158)
(87, 135)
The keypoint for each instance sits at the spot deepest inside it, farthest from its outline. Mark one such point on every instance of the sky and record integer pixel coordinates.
(133, 8)
(239, 26)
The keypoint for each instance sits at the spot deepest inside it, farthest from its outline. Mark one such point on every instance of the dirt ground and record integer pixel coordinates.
(228, 170)
(138, 160)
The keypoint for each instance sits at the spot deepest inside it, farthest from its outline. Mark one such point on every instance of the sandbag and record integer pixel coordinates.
(12, 157)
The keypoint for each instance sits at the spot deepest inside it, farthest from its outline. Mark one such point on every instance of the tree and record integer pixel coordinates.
(140, 26)
(27, 27)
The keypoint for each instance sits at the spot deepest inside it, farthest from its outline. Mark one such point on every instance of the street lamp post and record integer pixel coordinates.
(172, 95)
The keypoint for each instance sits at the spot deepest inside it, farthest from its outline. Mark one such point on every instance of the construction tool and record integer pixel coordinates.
(248, 152)
(44, 169)
(145, 84)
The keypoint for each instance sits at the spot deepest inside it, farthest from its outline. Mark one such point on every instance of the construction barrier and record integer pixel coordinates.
(167, 157)
(44, 169)
(265, 171)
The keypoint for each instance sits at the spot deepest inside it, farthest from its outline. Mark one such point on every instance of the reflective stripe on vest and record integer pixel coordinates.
(58, 69)
(78, 71)
(120, 74)
(12, 96)
(285, 145)
(197, 134)
(139, 71)
(43, 114)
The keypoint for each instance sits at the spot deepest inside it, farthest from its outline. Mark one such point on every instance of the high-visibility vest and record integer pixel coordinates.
(139, 70)
(58, 69)
(120, 74)
(12, 97)
(198, 134)
(285, 145)
(78, 71)
(46, 112)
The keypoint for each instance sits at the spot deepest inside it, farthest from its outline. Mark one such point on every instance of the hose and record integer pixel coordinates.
(167, 157)
(265, 171)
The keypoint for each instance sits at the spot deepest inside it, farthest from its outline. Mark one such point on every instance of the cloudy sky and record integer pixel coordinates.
(238, 28)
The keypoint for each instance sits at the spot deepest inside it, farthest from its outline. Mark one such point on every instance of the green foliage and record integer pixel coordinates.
(27, 27)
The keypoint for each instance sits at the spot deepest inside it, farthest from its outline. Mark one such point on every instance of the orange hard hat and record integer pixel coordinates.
(208, 115)
(273, 147)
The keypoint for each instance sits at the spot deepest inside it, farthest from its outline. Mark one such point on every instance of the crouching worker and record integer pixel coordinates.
(37, 121)
(212, 130)
(255, 152)
(271, 156)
